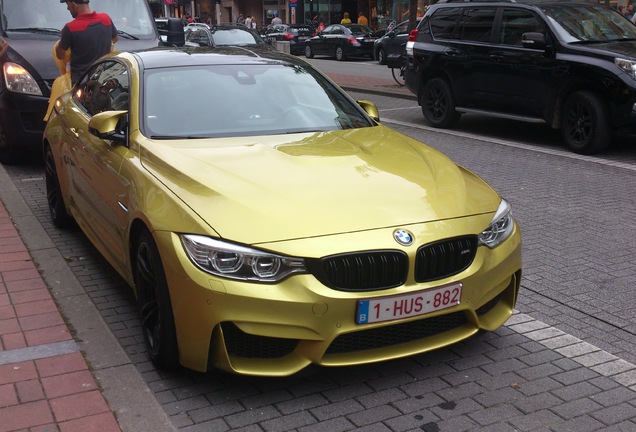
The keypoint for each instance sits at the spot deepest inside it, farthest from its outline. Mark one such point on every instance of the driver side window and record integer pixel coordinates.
(104, 88)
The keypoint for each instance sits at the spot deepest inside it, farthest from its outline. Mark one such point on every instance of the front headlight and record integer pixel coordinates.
(19, 80)
(629, 66)
(500, 227)
(239, 262)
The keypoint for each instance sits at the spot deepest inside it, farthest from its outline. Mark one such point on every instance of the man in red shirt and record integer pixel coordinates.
(89, 36)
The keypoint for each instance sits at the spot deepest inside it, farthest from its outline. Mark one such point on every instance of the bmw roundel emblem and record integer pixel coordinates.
(403, 237)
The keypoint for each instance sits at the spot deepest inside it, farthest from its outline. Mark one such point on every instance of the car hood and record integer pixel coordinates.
(37, 50)
(619, 48)
(273, 188)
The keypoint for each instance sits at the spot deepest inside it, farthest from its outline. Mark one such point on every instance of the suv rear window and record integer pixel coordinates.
(443, 22)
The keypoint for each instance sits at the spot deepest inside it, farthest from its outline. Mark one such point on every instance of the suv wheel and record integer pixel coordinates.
(438, 105)
(585, 125)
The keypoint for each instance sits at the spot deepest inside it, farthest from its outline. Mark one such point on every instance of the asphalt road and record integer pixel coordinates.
(564, 362)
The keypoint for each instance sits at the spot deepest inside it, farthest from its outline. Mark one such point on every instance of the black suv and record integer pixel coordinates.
(569, 64)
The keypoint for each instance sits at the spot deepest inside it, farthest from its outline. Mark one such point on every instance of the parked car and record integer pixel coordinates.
(221, 35)
(266, 221)
(295, 34)
(569, 64)
(391, 43)
(342, 41)
(31, 27)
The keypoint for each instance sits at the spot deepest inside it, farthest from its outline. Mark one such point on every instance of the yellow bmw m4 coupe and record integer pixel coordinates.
(266, 221)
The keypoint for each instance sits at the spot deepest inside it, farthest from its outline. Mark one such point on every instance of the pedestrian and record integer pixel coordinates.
(89, 36)
(254, 26)
(345, 19)
(362, 20)
(248, 22)
(240, 20)
(276, 20)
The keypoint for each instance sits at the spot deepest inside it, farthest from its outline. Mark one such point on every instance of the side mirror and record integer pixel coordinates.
(533, 40)
(105, 125)
(370, 108)
(175, 36)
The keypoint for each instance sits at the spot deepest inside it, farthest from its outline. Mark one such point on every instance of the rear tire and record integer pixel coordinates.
(438, 105)
(585, 124)
(309, 53)
(157, 319)
(340, 55)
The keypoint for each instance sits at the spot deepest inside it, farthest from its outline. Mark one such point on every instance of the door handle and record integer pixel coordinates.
(453, 52)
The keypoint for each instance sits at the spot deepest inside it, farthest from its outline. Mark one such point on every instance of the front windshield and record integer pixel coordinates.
(243, 100)
(589, 23)
(129, 16)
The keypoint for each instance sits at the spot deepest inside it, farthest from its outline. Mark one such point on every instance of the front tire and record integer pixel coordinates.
(382, 56)
(157, 319)
(438, 104)
(585, 124)
(309, 53)
(57, 207)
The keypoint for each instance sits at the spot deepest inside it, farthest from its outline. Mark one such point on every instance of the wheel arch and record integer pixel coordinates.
(425, 77)
(137, 227)
(568, 89)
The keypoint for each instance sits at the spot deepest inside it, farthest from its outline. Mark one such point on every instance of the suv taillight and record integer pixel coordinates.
(289, 36)
(413, 35)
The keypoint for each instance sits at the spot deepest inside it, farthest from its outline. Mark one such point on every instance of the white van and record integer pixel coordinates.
(31, 27)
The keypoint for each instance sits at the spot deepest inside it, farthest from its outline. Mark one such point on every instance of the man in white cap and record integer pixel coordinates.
(89, 36)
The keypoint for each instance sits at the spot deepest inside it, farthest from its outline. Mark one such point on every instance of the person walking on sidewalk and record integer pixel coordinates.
(89, 36)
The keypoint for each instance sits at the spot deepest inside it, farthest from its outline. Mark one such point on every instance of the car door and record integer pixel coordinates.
(465, 53)
(97, 191)
(396, 43)
(320, 44)
(519, 78)
(338, 37)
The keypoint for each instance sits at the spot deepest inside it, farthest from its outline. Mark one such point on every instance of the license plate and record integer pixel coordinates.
(408, 305)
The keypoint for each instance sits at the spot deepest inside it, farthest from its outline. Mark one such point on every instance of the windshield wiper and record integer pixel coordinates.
(127, 35)
(176, 137)
(46, 30)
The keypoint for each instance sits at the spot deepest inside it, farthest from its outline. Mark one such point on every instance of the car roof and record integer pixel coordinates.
(164, 56)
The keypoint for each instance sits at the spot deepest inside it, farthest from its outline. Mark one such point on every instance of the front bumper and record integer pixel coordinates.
(279, 329)
(22, 118)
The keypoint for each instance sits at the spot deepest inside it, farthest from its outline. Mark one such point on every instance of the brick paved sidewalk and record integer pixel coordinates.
(45, 383)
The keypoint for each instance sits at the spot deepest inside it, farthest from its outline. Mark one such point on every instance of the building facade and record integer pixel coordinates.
(379, 12)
